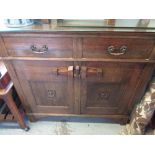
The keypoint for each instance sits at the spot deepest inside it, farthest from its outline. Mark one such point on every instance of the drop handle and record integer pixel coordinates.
(37, 50)
(116, 52)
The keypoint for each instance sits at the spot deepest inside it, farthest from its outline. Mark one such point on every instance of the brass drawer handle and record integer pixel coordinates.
(113, 51)
(39, 50)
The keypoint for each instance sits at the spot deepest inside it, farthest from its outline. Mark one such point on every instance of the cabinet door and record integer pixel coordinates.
(108, 88)
(47, 86)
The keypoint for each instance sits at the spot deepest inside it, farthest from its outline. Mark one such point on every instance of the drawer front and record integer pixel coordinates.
(117, 48)
(39, 47)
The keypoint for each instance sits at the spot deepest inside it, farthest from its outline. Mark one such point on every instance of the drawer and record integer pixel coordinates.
(117, 48)
(39, 47)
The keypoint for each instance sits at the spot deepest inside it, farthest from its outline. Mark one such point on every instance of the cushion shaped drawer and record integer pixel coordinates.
(122, 48)
(39, 47)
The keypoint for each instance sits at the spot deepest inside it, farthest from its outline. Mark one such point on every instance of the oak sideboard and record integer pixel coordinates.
(95, 72)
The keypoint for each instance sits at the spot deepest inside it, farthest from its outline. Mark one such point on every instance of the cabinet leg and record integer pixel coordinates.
(32, 118)
(124, 121)
(13, 108)
(121, 121)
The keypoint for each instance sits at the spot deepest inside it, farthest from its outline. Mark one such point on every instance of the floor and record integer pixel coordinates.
(63, 126)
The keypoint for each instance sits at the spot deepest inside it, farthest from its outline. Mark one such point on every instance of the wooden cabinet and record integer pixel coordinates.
(79, 73)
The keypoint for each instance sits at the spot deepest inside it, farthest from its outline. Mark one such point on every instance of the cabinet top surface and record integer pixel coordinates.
(64, 25)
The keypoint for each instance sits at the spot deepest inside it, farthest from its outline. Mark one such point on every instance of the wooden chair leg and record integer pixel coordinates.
(13, 108)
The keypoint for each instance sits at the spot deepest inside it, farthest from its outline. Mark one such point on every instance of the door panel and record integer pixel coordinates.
(107, 88)
(54, 94)
(48, 86)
